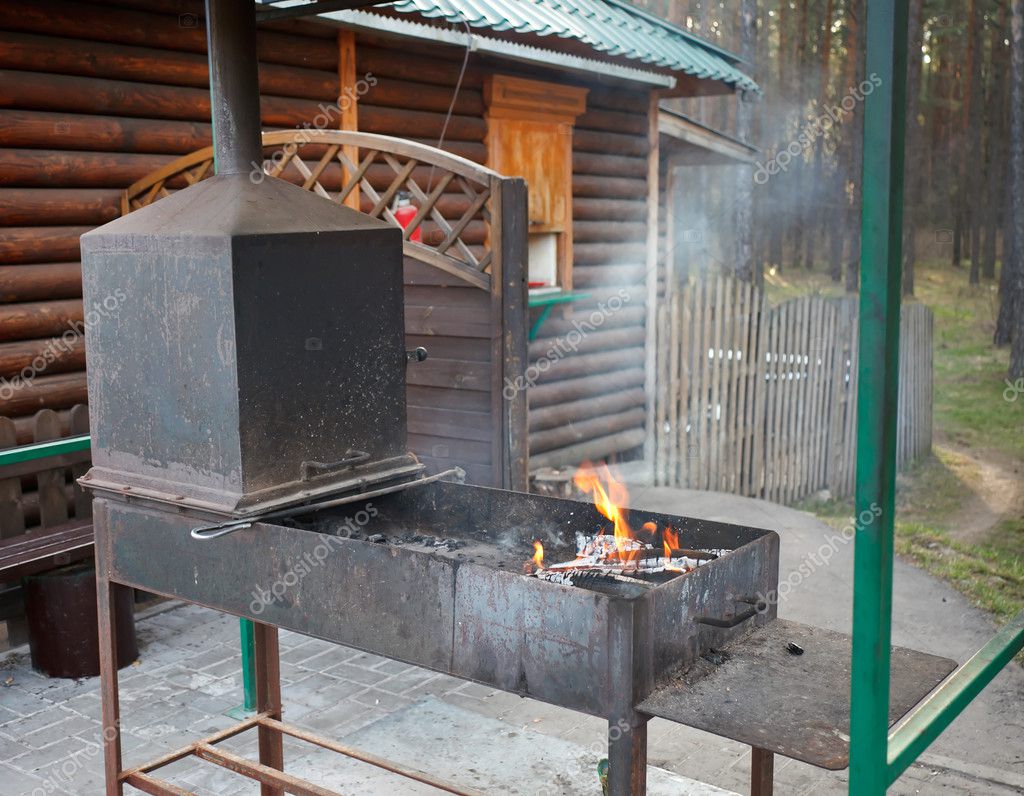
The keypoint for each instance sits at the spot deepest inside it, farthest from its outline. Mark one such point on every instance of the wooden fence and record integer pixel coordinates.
(34, 496)
(761, 401)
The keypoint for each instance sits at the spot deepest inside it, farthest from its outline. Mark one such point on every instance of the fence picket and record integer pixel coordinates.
(761, 401)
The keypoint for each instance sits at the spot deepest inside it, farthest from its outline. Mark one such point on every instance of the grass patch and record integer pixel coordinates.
(991, 575)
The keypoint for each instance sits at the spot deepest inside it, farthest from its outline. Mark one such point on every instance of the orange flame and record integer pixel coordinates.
(538, 554)
(610, 497)
(670, 540)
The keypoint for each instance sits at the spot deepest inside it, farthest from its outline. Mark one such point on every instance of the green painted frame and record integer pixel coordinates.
(877, 758)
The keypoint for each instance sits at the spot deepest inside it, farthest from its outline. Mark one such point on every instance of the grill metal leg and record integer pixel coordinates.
(627, 756)
(106, 594)
(762, 772)
(268, 700)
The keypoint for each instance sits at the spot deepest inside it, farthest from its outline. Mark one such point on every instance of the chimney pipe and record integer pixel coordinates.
(234, 85)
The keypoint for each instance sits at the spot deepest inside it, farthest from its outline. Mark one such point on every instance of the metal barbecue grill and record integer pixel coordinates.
(248, 422)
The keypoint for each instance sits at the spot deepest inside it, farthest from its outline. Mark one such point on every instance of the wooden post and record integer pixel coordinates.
(268, 700)
(509, 212)
(348, 103)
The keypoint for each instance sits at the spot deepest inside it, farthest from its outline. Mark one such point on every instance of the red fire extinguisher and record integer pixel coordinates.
(404, 212)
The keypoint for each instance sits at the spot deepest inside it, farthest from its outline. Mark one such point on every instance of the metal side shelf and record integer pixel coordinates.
(797, 704)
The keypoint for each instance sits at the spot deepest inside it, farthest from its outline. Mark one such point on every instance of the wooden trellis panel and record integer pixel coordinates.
(452, 195)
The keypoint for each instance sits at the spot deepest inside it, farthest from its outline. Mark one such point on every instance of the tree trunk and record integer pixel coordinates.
(744, 255)
(912, 169)
(972, 118)
(1015, 296)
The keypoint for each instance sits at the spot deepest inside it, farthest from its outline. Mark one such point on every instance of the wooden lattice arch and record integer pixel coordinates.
(454, 196)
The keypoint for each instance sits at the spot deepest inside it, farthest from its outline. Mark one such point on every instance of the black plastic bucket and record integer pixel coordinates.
(63, 625)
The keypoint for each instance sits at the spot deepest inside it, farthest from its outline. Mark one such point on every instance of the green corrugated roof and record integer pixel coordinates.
(612, 27)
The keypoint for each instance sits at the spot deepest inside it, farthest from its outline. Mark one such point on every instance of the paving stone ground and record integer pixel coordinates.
(188, 676)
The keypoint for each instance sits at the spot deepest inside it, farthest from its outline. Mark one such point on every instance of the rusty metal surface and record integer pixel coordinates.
(794, 705)
(590, 649)
(383, 599)
(246, 344)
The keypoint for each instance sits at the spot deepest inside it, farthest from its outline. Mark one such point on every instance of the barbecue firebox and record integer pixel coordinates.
(248, 421)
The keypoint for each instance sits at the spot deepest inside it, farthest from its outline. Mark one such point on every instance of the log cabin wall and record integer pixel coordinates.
(589, 402)
(94, 96)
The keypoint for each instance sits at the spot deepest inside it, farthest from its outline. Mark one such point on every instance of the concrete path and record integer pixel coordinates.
(188, 677)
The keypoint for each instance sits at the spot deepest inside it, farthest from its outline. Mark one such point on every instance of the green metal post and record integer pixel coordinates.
(248, 634)
(881, 254)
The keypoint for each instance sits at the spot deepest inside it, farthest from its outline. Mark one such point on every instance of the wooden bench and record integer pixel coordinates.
(45, 517)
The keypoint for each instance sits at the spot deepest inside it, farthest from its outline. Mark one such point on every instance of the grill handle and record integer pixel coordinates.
(757, 606)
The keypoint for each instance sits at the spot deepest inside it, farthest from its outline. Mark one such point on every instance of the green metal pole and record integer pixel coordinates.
(881, 254)
(948, 701)
(248, 634)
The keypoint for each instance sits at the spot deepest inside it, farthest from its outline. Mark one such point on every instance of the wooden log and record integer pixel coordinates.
(50, 355)
(591, 186)
(574, 411)
(412, 66)
(586, 387)
(165, 32)
(423, 124)
(32, 206)
(40, 244)
(558, 326)
(603, 340)
(592, 450)
(609, 165)
(44, 168)
(601, 141)
(47, 130)
(597, 209)
(596, 363)
(588, 276)
(38, 319)
(123, 62)
(421, 96)
(609, 230)
(72, 94)
(615, 253)
(60, 391)
(47, 281)
(613, 122)
(617, 99)
(579, 431)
